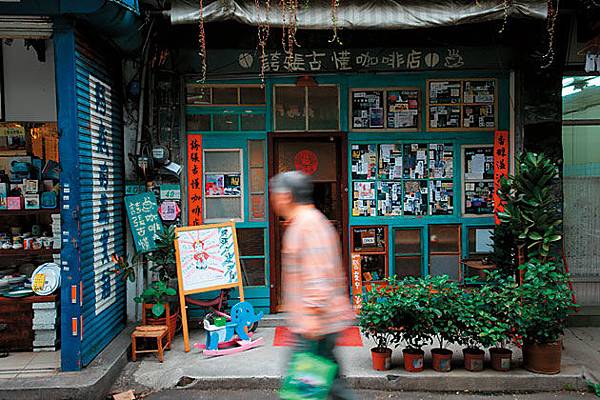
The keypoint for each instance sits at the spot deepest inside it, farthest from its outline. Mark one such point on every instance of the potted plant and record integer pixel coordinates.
(414, 318)
(155, 301)
(375, 319)
(445, 304)
(163, 258)
(473, 318)
(547, 303)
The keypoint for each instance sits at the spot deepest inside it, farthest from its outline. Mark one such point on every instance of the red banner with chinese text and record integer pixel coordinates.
(194, 176)
(500, 167)
(356, 282)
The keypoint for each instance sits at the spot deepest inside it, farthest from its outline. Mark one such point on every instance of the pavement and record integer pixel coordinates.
(262, 369)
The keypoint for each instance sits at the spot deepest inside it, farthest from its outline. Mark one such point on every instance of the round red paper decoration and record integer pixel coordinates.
(306, 161)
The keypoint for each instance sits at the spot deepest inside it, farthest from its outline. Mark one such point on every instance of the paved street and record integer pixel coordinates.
(370, 395)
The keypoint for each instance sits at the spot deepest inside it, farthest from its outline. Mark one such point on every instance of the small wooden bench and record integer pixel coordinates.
(160, 333)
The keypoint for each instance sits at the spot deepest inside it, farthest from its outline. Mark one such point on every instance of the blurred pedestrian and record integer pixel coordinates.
(314, 283)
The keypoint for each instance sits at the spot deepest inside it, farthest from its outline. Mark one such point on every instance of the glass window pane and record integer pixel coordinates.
(222, 161)
(197, 122)
(226, 122)
(317, 160)
(251, 242)
(373, 267)
(444, 265)
(581, 97)
(256, 148)
(197, 94)
(408, 266)
(257, 180)
(369, 239)
(257, 207)
(252, 95)
(443, 238)
(253, 122)
(323, 108)
(290, 108)
(253, 271)
(225, 95)
(580, 146)
(407, 241)
(480, 241)
(223, 208)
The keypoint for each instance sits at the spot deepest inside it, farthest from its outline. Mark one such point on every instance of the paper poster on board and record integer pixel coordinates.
(207, 257)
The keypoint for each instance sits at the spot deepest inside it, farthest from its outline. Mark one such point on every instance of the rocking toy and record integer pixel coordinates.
(232, 337)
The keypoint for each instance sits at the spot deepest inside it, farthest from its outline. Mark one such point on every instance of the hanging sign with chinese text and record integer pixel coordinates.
(145, 223)
(500, 167)
(194, 179)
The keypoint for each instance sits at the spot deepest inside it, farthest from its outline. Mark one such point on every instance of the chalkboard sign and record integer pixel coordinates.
(402, 107)
(145, 223)
(367, 109)
(207, 259)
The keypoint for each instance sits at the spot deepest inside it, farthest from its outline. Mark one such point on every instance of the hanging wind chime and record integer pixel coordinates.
(335, 4)
(263, 37)
(551, 26)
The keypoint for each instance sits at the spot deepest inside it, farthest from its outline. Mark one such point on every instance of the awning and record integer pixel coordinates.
(360, 14)
(25, 27)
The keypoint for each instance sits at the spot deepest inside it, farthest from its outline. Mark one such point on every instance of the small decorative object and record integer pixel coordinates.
(28, 243)
(36, 230)
(31, 186)
(32, 201)
(169, 210)
(13, 203)
(49, 200)
(37, 244)
(19, 170)
(2, 202)
(16, 189)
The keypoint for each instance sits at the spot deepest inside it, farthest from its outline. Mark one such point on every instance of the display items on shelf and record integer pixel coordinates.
(369, 247)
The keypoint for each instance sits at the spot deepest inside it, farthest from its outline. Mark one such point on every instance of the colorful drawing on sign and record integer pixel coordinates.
(306, 161)
(145, 223)
(500, 167)
(194, 189)
(207, 258)
(214, 185)
(232, 185)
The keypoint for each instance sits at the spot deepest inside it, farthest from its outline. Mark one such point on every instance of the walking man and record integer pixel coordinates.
(314, 283)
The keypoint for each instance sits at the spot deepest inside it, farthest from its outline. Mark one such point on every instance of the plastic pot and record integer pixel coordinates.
(542, 358)
(414, 360)
(442, 360)
(473, 359)
(501, 358)
(382, 358)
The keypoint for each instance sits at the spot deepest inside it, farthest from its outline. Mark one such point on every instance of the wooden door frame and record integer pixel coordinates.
(342, 139)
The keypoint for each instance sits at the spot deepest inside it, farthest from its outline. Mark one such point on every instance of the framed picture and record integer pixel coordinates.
(32, 201)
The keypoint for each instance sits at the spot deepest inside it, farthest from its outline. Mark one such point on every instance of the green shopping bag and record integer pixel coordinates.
(310, 377)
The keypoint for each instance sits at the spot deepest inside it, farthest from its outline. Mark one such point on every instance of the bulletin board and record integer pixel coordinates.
(402, 109)
(478, 179)
(441, 197)
(388, 109)
(415, 197)
(415, 161)
(364, 161)
(389, 199)
(462, 104)
(441, 160)
(369, 248)
(390, 161)
(367, 109)
(207, 259)
(363, 199)
(478, 163)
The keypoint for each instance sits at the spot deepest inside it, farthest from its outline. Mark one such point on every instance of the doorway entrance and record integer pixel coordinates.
(323, 156)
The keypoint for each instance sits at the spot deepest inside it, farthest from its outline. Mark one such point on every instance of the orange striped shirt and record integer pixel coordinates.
(315, 285)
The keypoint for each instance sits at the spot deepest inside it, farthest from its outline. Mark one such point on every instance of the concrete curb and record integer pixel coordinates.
(93, 382)
(487, 381)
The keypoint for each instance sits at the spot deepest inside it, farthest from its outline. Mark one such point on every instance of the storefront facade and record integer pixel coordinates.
(400, 144)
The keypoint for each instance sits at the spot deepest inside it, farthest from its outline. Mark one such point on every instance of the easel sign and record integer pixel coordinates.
(207, 259)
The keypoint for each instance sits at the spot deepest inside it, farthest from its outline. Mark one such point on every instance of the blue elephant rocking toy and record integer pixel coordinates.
(233, 337)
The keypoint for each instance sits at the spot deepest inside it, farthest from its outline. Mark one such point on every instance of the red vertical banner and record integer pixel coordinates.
(194, 176)
(500, 167)
(356, 282)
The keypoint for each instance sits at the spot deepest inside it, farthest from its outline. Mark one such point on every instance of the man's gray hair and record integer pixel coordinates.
(297, 183)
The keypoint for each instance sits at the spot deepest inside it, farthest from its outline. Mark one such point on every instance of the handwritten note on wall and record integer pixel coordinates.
(145, 223)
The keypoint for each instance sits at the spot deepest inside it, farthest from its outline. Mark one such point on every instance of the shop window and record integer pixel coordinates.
(306, 108)
(197, 94)
(408, 252)
(223, 185)
(480, 241)
(391, 109)
(197, 123)
(468, 104)
(444, 250)
(253, 122)
(256, 161)
(369, 244)
(225, 95)
(394, 179)
(478, 179)
(252, 95)
(251, 244)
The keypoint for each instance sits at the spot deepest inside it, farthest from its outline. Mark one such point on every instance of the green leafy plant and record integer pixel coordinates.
(414, 314)
(157, 294)
(530, 207)
(504, 250)
(472, 318)
(163, 258)
(122, 268)
(594, 388)
(378, 313)
(547, 301)
(445, 305)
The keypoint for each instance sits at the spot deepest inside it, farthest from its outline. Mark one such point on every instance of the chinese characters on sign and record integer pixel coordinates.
(142, 212)
(356, 282)
(194, 180)
(500, 167)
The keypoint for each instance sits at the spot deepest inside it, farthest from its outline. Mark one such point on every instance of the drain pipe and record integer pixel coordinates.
(145, 55)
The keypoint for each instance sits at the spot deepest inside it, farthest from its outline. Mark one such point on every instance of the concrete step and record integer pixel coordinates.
(272, 320)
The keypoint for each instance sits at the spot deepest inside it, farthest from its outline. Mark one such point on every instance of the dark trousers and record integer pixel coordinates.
(324, 347)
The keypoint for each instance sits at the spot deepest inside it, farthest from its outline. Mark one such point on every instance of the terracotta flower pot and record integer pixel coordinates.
(414, 360)
(442, 360)
(542, 358)
(382, 358)
(473, 359)
(501, 358)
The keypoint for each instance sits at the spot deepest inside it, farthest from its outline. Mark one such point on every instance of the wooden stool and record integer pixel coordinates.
(158, 332)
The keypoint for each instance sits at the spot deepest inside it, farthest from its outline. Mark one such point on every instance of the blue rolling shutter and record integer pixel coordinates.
(101, 169)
